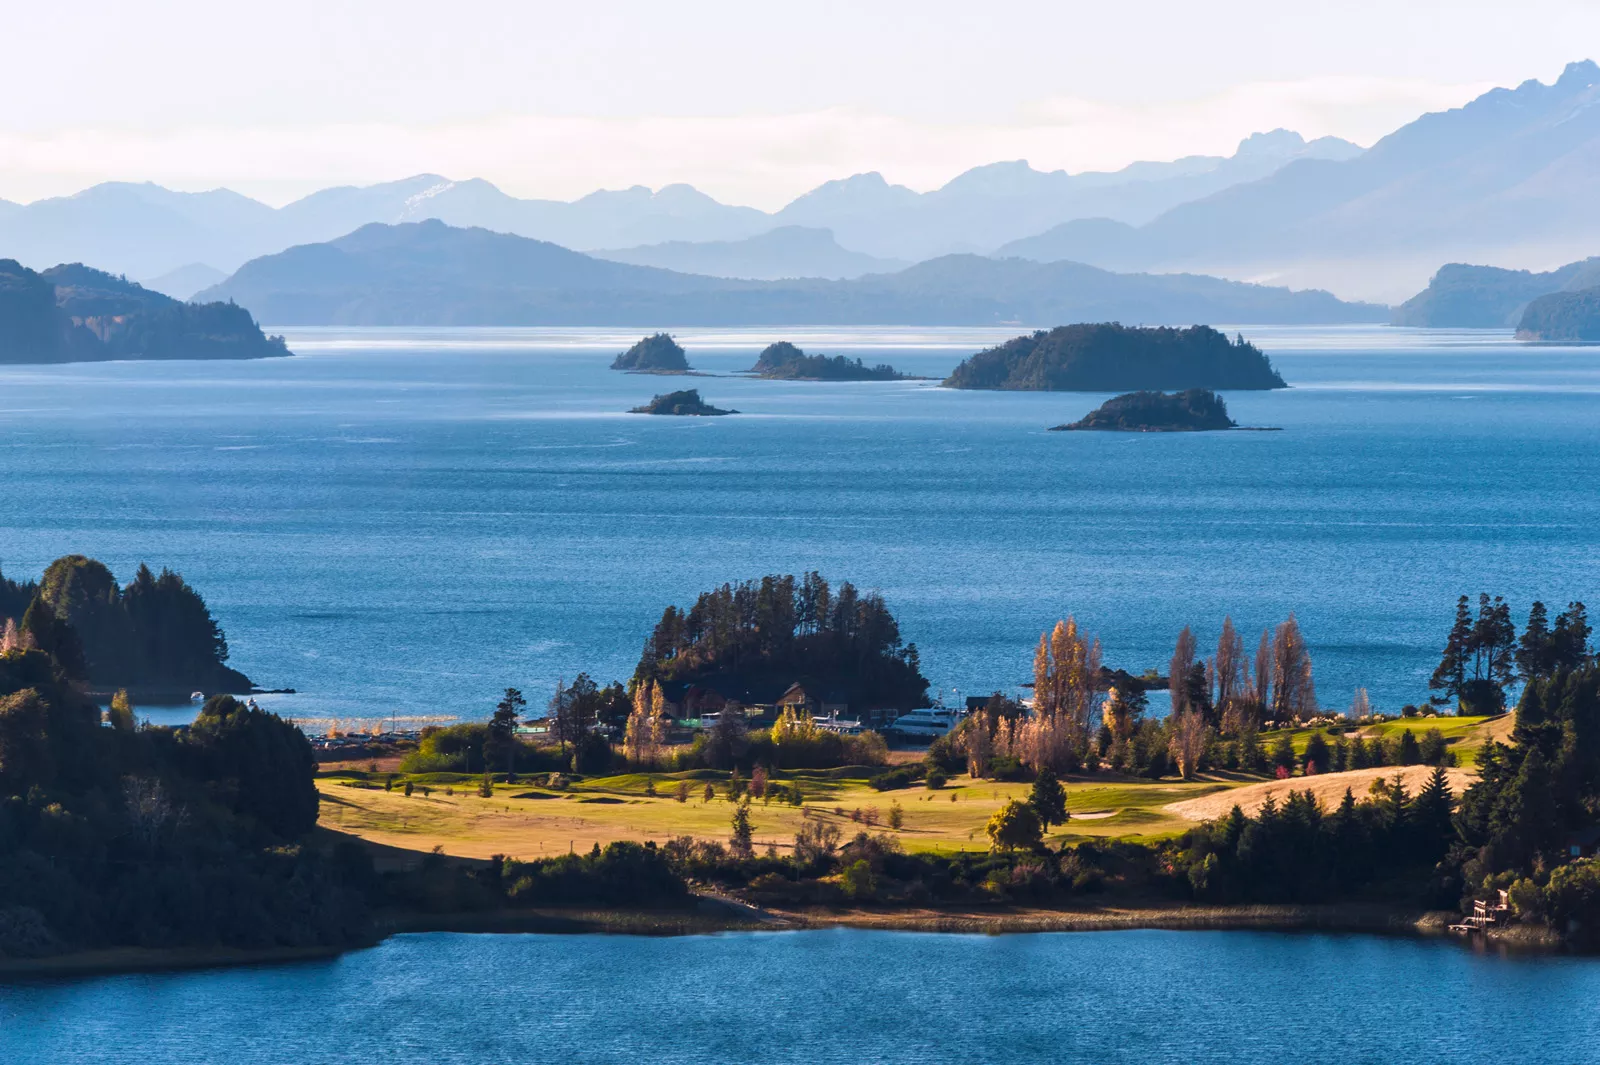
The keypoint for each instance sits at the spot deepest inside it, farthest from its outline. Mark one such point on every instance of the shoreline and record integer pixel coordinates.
(713, 915)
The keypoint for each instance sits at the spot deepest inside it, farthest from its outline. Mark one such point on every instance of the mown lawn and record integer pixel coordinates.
(530, 821)
(1463, 735)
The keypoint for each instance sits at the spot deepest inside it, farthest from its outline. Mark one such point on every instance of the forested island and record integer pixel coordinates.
(657, 353)
(686, 402)
(1109, 357)
(1193, 410)
(1572, 317)
(783, 361)
(72, 313)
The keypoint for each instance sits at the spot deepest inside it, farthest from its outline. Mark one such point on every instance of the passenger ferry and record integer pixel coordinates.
(928, 723)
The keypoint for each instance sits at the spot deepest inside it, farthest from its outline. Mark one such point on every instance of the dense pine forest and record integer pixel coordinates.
(154, 634)
(781, 629)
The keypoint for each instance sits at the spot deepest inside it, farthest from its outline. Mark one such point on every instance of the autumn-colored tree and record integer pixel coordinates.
(1294, 696)
(1117, 714)
(758, 782)
(1178, 670)
(1231, 669)
(1066, 674)
(1188, 742)
(1015, 826)
(120, 715)
(1264, 670)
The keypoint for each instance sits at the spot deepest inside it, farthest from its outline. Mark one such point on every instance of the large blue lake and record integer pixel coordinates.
(403, 522)
(849, 997)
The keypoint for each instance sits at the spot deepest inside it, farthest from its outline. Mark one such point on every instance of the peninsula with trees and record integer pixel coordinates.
(153, 636)
(73, 313)
(658, 353)
(1193, 410)
(725, 768)
(1110, 357)
(1563, 317)
(686, 402)
(783, 361)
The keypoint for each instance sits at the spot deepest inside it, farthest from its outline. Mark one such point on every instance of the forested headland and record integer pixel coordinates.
(1418, 833)
(153, 635)
(116, 833)
(1110, 357)
(73, 313)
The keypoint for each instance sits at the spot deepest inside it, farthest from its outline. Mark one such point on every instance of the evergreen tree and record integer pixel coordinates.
(1533, 651)
(1317, 758)
(1409, 752)
(1048, 799)
(1493, 642)
(500, 739)
(1431, 810)
(1451, 675)
(1569, 641)
(740, 841)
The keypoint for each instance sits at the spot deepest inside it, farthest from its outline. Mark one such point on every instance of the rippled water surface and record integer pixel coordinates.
(846, 997)
(403, 522)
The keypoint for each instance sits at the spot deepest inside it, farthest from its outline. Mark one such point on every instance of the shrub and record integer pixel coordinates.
(1006, 767)
(859, 881)
(935, 778)
(895, 779)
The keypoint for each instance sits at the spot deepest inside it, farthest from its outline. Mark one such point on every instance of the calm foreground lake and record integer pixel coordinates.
(405, 522)
(835, 996)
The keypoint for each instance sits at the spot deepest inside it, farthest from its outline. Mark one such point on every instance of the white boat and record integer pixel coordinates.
(928, 723)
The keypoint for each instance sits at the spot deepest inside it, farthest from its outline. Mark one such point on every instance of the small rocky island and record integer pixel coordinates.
(654, 354)
(784, 361)
(686, 402)
(1108, 357)
(1193, 410)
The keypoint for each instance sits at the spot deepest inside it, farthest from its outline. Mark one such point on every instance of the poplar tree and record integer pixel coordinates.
(1231, 667)
(1264, 669)
(1178, 670)
(1294, 696)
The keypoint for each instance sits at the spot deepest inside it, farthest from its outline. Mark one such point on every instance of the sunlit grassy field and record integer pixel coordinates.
(1463, 735)
(530, 822)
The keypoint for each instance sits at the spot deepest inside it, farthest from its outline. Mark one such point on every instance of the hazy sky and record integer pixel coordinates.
(752, 102)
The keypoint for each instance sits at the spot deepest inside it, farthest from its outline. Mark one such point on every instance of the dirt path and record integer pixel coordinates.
(1329, 789)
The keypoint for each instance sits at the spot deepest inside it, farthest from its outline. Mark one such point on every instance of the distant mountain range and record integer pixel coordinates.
(1510, 177)
(1489, 297)
(147, 231)
(428, 273)
(785, 252)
